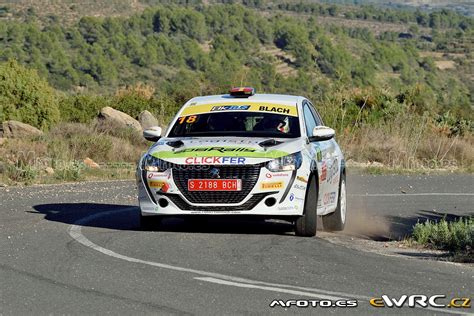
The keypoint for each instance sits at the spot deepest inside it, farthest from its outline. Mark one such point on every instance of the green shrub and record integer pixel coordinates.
(71, 172)
(452, 236)
(21, 173)
(132, 104)
(26, 97)
(81, 108)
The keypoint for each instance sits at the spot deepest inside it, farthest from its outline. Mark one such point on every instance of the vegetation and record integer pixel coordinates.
(406, 90)
(26, 97)
(64, 149)
(456, 237)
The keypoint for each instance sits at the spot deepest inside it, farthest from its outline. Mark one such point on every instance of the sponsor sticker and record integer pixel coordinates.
(159, 185)
(152, 175)
(277, 109)
(230, 108)
(271, 175)
(287, 208)
(329, 198)
(299, 187)
(324, 171)
(271, 185)
(319, 154)
(215, 160)
(333, 170)
(290, 110)
(302, 179)
(220, 149)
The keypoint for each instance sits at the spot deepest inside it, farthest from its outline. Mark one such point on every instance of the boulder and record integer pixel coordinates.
(49, 170)
(147, 120)
(109, 117)
(91, 163)
(15, 129)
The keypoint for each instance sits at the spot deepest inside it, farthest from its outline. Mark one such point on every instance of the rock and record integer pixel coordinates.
(49, 170)
(147, 120)
(2, 141)
(91, 163)
(15, 129)
(109, 117)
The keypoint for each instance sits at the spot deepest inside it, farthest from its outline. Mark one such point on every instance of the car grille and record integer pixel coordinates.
(248, 174)
(250, 204)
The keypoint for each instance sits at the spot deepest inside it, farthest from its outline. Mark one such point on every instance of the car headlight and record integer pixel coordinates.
(286, 163)
(153, 164)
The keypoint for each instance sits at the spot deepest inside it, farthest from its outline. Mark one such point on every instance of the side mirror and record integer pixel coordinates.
(152, 134)
(321, 133)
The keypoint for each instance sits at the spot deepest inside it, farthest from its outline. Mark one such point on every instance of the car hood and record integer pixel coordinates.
(233, 150)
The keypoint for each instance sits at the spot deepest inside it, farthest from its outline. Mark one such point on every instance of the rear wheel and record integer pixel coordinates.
(150, 222)
(337, 220)
(305, 225)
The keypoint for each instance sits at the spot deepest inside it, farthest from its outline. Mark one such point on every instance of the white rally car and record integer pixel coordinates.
(243, 153)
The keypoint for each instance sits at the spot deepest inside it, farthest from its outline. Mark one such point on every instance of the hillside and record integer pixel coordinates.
(166, 42)
(380, 77)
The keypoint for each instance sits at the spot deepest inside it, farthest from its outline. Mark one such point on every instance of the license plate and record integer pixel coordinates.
(214, 185)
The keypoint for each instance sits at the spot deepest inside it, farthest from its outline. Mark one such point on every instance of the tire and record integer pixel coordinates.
(150, 222)
(337, 220)
(305, 226)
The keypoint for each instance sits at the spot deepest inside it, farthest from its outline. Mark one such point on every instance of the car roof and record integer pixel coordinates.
(269, 98)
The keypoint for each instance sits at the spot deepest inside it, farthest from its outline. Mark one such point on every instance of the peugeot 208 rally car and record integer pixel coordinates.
(245, 154)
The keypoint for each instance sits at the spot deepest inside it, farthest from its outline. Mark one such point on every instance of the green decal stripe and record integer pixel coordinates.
(215, 153)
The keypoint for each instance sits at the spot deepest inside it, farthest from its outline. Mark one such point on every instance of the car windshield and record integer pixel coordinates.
(238, 123)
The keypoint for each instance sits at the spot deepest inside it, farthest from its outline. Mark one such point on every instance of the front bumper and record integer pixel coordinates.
(160, 194)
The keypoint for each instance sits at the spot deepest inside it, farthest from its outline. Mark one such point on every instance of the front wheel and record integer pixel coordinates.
(337, 220)
(305, 225)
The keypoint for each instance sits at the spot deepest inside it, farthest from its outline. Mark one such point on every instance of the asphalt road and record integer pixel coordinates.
(77, 249)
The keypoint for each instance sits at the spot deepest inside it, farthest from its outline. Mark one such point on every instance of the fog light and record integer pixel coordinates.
(270, 201)
(163, 202)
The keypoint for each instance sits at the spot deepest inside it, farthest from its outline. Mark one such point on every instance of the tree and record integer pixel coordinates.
(26, 97)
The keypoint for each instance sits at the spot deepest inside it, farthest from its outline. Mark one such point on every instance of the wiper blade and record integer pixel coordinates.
(175, 143)
(269, 143)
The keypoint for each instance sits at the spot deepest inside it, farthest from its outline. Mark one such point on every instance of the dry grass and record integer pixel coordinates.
(445, 64)
(409, 144)
(64, 149)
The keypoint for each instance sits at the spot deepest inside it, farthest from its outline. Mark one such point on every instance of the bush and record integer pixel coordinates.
(21, 173)
(26, 97)
(452, 236)
(81, 108)
(72, 172)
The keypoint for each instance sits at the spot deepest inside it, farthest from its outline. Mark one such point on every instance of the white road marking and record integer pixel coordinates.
(75, 231)
(268, 288)
(414, 194)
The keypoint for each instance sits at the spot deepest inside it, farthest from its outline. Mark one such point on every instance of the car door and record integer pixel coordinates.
(322, 157)
(330, 180)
